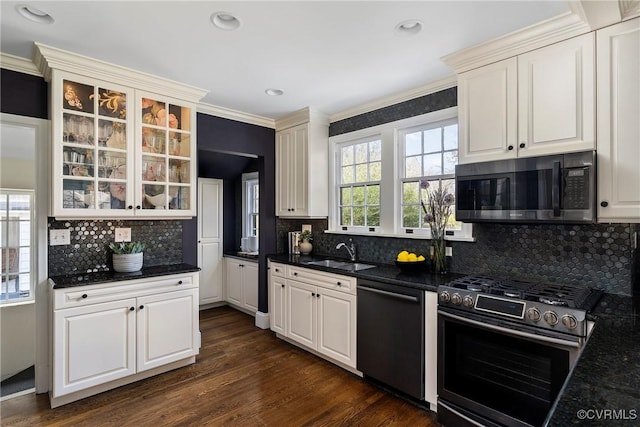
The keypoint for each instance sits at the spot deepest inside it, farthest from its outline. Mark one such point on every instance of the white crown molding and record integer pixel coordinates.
(629, 8)
(239, 116)
(535, 36)
(436, 86)
(47, 58)
(299, 117)
(18, 64)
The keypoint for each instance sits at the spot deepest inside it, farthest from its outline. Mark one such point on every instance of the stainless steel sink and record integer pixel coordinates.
(341, 265)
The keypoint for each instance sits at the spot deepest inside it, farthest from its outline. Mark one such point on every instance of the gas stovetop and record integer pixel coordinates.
(559, 307)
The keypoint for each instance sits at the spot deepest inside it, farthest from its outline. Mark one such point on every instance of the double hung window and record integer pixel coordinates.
(17, 234)
(360, 166)
(251, 204)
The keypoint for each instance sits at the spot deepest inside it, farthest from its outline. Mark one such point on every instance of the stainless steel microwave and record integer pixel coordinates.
(558, 188)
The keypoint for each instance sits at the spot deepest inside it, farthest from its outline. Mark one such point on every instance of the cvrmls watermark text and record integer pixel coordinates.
(607, 414)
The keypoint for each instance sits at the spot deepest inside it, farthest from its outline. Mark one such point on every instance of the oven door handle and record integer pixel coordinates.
(389, 294)
(464, 417)
(550, 340)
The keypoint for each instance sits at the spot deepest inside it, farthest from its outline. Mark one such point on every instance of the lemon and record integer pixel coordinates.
(412, 257)
(420, 258)
(403, 256)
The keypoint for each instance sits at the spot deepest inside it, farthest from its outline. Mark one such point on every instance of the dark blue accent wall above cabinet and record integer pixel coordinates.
(23, 94)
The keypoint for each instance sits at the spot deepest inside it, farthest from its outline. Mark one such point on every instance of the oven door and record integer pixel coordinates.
(492, 375)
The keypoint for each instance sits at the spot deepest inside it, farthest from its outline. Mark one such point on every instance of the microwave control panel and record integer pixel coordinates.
(576, 188)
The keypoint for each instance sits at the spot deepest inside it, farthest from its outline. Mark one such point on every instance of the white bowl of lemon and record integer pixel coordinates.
(409, 261)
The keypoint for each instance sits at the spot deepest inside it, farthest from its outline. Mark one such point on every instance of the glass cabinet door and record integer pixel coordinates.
(93, 148)
(165, 143)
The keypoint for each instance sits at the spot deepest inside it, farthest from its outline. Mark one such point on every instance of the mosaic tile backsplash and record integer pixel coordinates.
(89, 249)
(599, 255)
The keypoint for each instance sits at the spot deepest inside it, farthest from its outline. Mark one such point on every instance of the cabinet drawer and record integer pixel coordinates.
(112, 291)
(278, 269)
(320, 278)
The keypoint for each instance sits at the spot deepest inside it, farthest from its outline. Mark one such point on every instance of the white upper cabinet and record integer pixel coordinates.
(123, 142)
(556, 98)
(487, 112)
(302, 164)
(619, 122)
(538, 103)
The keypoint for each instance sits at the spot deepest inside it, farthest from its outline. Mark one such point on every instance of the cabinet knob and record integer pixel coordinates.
(339, 283)
(604, 204)
(132, 308)
(277, 271)
(141, 307)
(317, 295)
(295, 274)
(84, 295)
(138, 207)
(179, 282)
(282, 285)
(130, 207)
(510, 147)
(522, 145)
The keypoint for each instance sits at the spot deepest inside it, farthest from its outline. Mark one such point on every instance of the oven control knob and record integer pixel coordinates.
(444, 296)
(456, 299)
(467, 301)
(551, 318)
(569, 321)
(533, 314)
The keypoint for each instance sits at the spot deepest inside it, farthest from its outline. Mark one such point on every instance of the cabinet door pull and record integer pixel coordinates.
(282, 286)
(141, 307)
(522, 145)
(132, 308)
(84, 296)
(295, 274)
(317, 295)
(339, 284)
(313, 294)
(510, 147)
(604, 204)
(179, 282)
(138, 207)
(130, 207)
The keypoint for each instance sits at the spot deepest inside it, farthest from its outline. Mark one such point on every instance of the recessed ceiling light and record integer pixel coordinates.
(225, 21)
(33, 14)
(410, 27)
(273, 92)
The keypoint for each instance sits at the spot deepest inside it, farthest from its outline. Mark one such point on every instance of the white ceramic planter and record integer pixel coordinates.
(305, 247)
(127, 263)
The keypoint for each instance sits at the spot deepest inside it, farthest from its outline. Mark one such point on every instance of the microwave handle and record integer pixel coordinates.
(555, 188)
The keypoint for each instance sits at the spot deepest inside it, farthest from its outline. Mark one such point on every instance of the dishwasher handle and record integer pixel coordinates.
(389, 294)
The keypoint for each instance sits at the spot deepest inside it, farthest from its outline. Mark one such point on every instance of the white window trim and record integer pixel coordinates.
(389, 185)
(246, 178)
(32, 251)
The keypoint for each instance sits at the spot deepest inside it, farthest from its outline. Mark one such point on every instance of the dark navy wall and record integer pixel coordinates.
(217, 135)
(23, 94)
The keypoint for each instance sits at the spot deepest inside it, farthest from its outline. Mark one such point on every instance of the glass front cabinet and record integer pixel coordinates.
(120, 152)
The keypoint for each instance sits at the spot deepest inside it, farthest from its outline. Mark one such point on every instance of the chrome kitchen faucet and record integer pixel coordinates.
(351, 249)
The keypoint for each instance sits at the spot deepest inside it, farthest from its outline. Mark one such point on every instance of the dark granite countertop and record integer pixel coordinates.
(83, 279)
(384, 272)
(604, 387)
(251, 256)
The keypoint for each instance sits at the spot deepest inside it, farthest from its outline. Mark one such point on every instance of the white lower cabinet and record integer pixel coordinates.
(107, 335)
(242, 284)
(316, 310)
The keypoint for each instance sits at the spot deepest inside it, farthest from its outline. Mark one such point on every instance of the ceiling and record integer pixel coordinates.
(329, 55)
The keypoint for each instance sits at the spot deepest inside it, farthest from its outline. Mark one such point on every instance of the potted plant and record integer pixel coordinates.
(305, 245)
(127, 257)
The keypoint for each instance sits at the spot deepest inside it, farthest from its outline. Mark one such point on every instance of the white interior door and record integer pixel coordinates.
(210, 232)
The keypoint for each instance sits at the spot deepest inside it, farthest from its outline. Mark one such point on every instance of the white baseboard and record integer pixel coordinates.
(262, 320)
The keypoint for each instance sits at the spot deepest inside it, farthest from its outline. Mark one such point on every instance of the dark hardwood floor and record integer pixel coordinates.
(244, 376)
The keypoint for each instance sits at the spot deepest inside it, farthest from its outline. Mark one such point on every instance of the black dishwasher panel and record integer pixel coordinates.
(391, 336)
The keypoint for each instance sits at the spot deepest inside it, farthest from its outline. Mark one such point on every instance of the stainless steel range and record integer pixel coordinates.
(505, 348)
